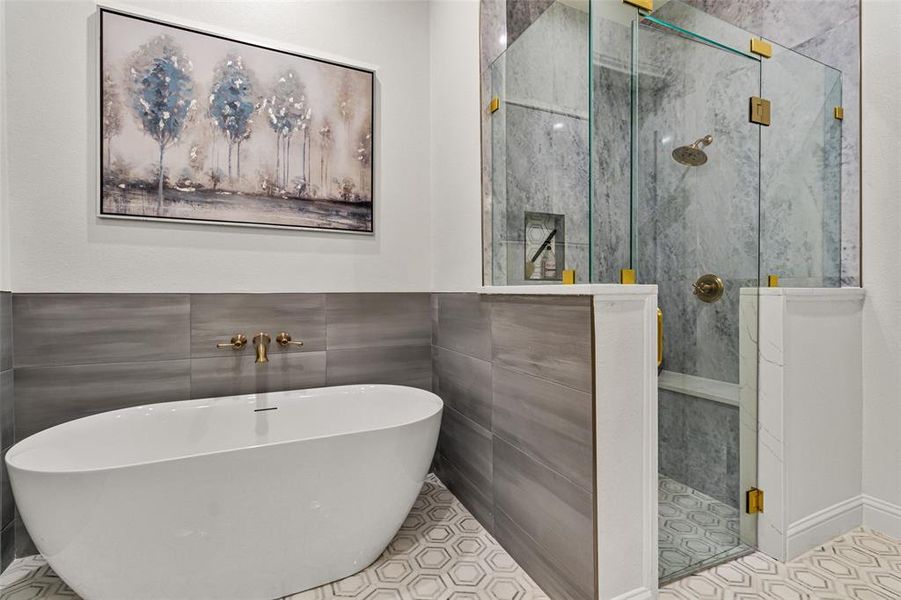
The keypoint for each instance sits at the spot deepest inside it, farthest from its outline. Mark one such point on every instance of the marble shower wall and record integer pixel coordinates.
(694, 220)
(824, 30)
(538, 139)
(827, 31)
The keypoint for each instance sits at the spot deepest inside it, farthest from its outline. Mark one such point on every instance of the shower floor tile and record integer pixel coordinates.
(695, 530)
(463, 562)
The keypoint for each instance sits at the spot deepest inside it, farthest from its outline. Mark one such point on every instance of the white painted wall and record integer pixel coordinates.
(4, 204)
(455, 153)
(60, 245)
(881, 180)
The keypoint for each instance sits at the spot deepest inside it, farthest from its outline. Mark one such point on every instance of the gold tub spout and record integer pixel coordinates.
(261, 343)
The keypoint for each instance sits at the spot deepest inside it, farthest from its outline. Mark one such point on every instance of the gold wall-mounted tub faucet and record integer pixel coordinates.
(261, 343)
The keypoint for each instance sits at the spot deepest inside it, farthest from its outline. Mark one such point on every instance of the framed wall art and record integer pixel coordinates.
(203, 128)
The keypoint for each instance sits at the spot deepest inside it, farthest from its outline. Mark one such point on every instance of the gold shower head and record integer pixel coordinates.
(693, 155)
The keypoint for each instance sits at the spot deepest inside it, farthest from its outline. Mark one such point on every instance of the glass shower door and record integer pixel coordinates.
(695, 233)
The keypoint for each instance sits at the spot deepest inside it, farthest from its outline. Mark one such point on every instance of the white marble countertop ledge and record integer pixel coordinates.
(578, 289)
(847, 293)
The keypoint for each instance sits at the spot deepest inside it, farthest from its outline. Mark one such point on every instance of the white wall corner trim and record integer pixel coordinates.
(882, 516)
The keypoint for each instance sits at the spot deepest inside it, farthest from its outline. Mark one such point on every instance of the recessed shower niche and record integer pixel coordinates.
(691, 154)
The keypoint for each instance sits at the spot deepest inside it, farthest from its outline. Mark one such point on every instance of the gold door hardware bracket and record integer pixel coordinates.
(569, 276)
(647, 5)
(760, 110)
(238, 341)
(839, 113)
(659, 337)
(772, 281)
(761, 48)
(494, 104)
(708, 288)
(284, 340)
(754, 501)
(627, 276)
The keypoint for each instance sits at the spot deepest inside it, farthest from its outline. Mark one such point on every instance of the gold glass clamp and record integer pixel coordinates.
(284, 340)
(238, 341)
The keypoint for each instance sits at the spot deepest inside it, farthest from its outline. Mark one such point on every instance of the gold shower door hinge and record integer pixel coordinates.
(760, 110)
(647, 5)
(761, 48)
(627, 276)
(494, 105)
(754, 502)
(839, 113)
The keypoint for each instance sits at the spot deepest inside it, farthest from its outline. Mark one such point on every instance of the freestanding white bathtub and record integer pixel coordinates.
(241, 497)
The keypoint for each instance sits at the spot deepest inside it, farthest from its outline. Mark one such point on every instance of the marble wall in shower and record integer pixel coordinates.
(539, 138)
(690, 221)
(827, 31)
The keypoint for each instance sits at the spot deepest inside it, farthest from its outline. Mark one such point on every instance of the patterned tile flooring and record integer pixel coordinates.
(860, 565)
(441, 552)
(695, 530)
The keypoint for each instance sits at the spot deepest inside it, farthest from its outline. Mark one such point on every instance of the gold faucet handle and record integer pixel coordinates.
(238, 341)
(284, 340)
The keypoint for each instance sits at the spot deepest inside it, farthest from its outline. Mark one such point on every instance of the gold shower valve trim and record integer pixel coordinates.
(761, 48)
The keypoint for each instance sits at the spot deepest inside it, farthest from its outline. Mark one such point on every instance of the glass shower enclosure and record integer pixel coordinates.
(662, 145)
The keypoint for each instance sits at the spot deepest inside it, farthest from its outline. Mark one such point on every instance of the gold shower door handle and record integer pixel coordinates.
(659, 337)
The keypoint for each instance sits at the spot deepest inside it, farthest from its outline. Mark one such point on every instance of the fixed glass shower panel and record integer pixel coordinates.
(695, 233)
(800, 172)
(539, 152)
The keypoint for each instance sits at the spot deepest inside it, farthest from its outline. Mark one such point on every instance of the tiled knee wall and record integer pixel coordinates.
(80, 354)
(516, 444)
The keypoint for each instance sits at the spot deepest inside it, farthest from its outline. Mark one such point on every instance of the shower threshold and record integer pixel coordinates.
(695, 531)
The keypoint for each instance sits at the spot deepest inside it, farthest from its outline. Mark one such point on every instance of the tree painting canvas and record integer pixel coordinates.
(203, 128)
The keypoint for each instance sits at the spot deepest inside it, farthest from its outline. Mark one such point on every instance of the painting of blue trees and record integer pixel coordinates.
(201, 128)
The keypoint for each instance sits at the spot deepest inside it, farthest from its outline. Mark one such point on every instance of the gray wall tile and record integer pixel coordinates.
(549, 338)
(239, 374)
(24, 544)
(216, 317)
(467, 446)
(48, 396)
(6, 331)
(69, 329)
(7, 410)
(462, 324)
(7, 506)
(550, 422)
(464, 383)
(369, 320)
(7, 546)
(478, 500)
(556, 514)
(536, 561)
(400, 365)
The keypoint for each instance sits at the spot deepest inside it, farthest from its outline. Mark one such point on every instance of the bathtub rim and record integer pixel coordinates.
(434, 399)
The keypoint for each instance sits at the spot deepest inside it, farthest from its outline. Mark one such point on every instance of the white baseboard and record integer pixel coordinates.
(882, 516)
(820, 527)
(641, 593)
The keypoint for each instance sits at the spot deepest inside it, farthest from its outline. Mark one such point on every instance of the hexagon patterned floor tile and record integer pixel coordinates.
(440, 553)
(860, 565)
(695, 530)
